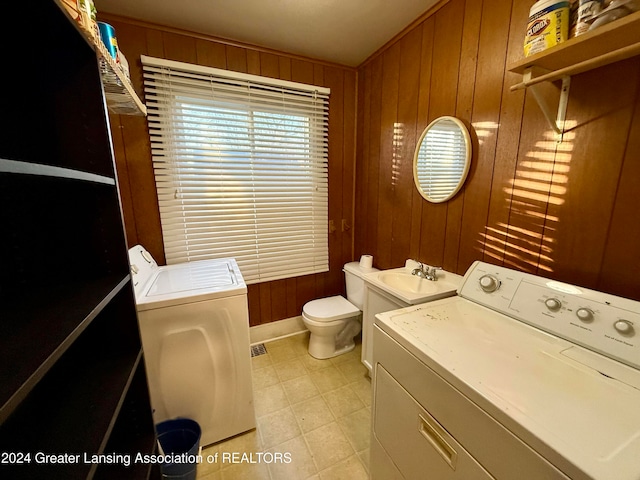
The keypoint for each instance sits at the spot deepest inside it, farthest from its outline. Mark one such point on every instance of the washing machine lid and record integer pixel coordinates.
(186, 277)
(329, 309)
(191, 282)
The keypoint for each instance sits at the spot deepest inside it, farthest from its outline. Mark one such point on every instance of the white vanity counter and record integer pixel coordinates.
(395, 288)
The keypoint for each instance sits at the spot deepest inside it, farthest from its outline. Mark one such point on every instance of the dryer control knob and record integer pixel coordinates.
(585, 314)
(489, 283)
(624, 326)
(553, 304)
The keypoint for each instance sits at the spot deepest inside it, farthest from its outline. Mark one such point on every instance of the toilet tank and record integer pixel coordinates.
(353, 273)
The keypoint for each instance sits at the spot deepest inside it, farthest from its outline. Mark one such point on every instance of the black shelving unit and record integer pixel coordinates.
(72, 378)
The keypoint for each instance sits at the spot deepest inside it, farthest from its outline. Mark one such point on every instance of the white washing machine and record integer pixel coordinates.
(194, 325)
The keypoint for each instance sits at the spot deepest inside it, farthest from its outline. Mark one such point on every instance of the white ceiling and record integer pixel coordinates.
(341, 31)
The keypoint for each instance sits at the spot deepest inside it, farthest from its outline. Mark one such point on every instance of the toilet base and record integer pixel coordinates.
(323, 347)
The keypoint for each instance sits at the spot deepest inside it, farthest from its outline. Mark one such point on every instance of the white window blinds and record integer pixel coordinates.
(240, 164)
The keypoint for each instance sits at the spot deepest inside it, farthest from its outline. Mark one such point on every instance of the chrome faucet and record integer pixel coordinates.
(426, 272)
(419, 272)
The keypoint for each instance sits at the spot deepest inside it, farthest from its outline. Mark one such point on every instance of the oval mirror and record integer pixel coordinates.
(442, 159)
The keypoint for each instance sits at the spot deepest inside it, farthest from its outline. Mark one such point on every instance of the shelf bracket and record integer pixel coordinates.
(557, 124)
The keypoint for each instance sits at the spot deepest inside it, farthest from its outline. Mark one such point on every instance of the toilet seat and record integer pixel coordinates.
(330, 309)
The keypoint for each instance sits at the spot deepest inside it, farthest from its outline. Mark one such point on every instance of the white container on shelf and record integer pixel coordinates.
(548, 26)
(124, 65)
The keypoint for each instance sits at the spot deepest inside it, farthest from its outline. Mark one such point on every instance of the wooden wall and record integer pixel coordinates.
(268, 301)
(568, 211)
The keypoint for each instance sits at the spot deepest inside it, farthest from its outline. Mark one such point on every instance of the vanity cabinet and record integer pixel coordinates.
(388, 290)
(375, 301)
(72, 378)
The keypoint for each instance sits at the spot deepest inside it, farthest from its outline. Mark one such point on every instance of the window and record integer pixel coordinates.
(240, 164)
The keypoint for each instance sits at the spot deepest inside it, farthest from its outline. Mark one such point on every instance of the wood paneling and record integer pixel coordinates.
(507, 145)
(587, 185)
(485, 116)
(566, 211)
(620, 268)
(388, 154)
(268, 301)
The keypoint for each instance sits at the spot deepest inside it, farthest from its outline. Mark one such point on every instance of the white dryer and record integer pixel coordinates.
(195, 336)
(517, 377)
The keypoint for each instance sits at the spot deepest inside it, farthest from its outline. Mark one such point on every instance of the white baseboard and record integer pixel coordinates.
(276, 330)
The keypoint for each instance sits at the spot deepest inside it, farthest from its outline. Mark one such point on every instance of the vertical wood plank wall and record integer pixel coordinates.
(268, 301)
(568, 211)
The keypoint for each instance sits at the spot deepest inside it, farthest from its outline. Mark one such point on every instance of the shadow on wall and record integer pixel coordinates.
(540, 180)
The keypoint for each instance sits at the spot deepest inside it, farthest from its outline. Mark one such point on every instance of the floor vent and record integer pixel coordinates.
(259, 349)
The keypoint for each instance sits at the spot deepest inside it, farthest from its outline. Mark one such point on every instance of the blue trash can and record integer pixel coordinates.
(179, 436)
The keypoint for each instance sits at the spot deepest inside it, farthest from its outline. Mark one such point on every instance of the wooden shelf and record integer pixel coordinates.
(45, 327)
(72, 379)
(608, 44)
(27, 168)
(606, 40)
(121, 97)
(72, 416)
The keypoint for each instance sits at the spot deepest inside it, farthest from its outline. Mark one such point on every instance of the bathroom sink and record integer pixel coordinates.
(410, 283)
(412, 289)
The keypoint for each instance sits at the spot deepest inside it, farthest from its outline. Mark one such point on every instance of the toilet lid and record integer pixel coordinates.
(329, 309)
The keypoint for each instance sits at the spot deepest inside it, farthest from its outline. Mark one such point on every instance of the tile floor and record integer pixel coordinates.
(316, 411)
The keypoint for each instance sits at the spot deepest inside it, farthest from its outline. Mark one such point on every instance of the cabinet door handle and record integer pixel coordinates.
(434, 437)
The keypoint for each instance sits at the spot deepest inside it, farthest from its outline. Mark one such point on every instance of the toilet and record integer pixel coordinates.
(335, 321)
